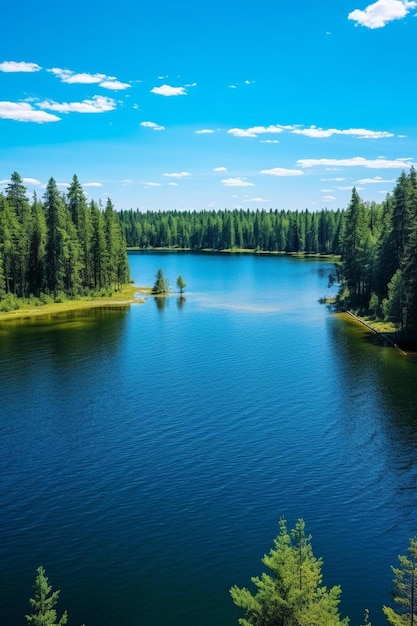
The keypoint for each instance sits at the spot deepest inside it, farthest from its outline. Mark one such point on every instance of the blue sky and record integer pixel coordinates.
(186, 105)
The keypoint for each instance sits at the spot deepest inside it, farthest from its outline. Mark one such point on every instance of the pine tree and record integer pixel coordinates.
(19, 204)
(161, 286)
(55, 258)
(405, 594)
(181, 284)
(292, 595)
(81, 216)
(44, 602)
(2, 279)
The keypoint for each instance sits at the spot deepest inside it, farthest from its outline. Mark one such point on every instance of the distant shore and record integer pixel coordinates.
(129, 294)
(298, 255)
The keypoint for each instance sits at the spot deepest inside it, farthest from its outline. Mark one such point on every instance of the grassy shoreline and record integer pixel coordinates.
(298, 255)
(129, 294)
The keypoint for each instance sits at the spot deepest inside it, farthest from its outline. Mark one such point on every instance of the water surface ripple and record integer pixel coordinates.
(147, 454)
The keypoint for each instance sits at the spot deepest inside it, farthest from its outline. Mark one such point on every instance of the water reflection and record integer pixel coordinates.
(59, 340)
(161, 302)
(377, 386)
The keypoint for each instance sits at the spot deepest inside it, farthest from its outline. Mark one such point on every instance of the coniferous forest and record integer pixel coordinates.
(272, 230)
(65, 246)
(58, 247)
(378, 272)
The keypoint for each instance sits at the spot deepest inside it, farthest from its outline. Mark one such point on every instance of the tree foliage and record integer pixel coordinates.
(405, 593)
(267, 230)
(379, 256)
(292, 593)
(161, 285)
(43, 603)
(181, 284)
(58, 245)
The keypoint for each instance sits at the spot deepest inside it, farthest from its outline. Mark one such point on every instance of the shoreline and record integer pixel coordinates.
(298, 255)
(128, 295)
(373, 329)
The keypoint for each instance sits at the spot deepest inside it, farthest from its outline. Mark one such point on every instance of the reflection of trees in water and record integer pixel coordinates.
(181, 301)
(63, 338)
(161, 302)
(379, 401)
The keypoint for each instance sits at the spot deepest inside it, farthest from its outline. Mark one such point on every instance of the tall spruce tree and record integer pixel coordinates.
(292, 594)
(405, 593)
(81, 217)
(43, 603)
(354, 249)
(19, 204)
(55, 258)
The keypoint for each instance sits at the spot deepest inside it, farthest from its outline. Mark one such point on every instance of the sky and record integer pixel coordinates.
(210, 105)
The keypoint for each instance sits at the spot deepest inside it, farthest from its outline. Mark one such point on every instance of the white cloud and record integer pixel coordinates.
(98, 104)
(220, 169)
(326, 190)
(344, 187)
(153, 184)
(63, 185)
(312, 131)
(269, 141)
(92, 185)
(167, 90)
(362, 133)
(31, 181)
(338, 179)
(329, 198)
(403, 163)
(152, 125)
(172, 184)
(380, 13)
(204, 131)
(19, 66)
(282, 171)
(376, 179)
(84, 78)
(259, 200)
(116, 85)
(254, 131)
(236, 182)
(177, 174)
(24, 112)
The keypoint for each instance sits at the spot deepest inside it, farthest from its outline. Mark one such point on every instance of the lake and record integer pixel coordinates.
(148, 452)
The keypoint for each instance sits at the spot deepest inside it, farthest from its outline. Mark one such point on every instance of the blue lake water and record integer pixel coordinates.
(147, 453)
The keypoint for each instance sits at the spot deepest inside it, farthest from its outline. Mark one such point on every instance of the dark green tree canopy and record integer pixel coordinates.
(59, 245)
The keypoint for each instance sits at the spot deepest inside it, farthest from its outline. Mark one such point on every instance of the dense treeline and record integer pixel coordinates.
(279, 231)
(378, 273)
(59, 247)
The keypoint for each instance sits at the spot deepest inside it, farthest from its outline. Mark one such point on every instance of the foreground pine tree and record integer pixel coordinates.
(44, 613)
(293, 594)
(405, 594)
